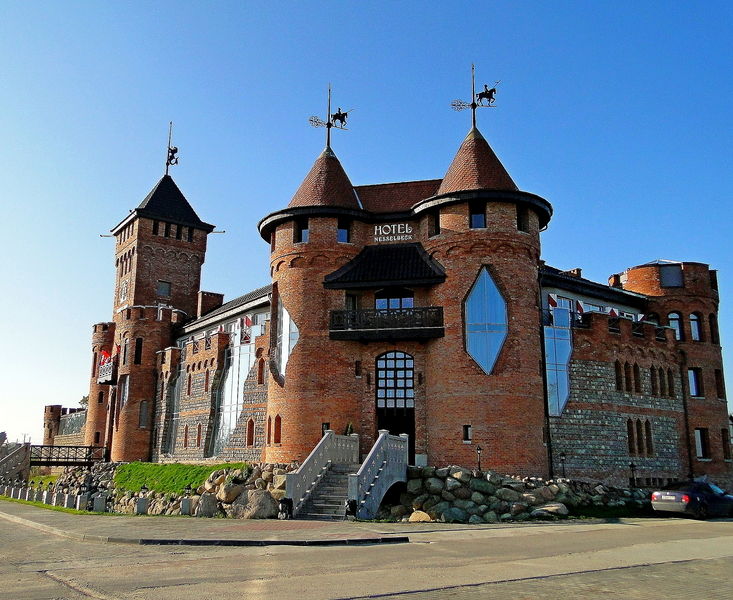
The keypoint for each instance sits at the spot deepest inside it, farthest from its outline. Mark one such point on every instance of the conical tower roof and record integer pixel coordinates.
(476, 167)
(326, 185)
(167, 203)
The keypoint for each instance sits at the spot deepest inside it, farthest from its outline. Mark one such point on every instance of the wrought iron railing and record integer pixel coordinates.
(391, 318)
(67, 455)
(332, 449)
(385, 465)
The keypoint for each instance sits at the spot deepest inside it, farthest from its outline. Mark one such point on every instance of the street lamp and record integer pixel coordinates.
(143, 490)
(478, 456)
(632, 466)
(187, 490)
(562, 463)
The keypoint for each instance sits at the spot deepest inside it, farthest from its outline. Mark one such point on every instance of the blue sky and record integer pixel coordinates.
(618, 113)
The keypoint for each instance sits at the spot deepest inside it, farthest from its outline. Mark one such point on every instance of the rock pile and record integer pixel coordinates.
(458, 495)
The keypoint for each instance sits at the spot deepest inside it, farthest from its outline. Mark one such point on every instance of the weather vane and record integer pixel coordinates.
(339, 116)
(172, 156)
(477, 100)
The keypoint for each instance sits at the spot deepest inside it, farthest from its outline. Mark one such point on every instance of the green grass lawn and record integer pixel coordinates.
(166, 478)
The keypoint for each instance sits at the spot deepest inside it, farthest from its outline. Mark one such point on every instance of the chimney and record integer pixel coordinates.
(208, 301)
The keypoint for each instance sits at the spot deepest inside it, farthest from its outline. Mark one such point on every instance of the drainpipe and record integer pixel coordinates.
(683, 387)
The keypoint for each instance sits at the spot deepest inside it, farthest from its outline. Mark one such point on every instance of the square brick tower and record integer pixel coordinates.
(159, 249)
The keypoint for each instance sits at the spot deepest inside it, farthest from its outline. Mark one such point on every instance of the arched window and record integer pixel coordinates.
(648, 436)
(261, 371)
(188, 385)
(670, 382)
(674, 319)
(206, 381)
(639, 438)
(662, 382)
(653, 377)
(637, 379)
(269, 430)
(144, 419)
(100, 398)
(185, 436)
(277, 430)
(696, 327)
(619, 377)
(94, 364)
(395, 380)
(627, 377)
(714, 335)
(198, 435)
(250, 433)
(125, 345)
(630, 436)
(138, 358)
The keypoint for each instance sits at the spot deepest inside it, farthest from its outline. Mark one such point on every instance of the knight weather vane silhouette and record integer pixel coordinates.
(331, 119)
(477, 100)
(172, 155)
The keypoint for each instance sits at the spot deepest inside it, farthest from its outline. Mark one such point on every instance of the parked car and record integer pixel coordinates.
(697, 498)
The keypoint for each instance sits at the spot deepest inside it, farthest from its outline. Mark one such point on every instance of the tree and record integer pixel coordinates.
(84, 401)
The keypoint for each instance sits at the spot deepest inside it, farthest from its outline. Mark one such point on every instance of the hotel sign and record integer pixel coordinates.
(395, 232)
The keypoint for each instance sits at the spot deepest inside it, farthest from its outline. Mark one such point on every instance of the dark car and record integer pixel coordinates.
(696, 498)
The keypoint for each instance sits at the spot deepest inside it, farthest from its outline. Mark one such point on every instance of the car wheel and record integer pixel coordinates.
(701, 512)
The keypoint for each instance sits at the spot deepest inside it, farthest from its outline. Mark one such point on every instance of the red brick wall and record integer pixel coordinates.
(102, 340)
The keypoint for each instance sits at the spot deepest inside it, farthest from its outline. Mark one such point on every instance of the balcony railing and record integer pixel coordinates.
(387, 324)
(106, 372)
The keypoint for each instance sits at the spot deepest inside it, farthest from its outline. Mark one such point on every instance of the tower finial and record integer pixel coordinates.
(477, 100)
(172, 154)
(331, 119)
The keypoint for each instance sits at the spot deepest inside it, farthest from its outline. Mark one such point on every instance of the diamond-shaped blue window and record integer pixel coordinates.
(486, 321)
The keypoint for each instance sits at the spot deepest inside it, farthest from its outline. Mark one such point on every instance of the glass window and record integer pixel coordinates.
(300, 231)
(694, 378)
(702, 443)
(477, 215)
(719, 384)
(164, 288)
(394, 299)
(486, 321)
(343, 233)
(434, 222)
(675, 322)
(144, 418)
(670, 275)
(138, 357)
(467, 433)
(395, 380)
(287, 337)
(522, 218)
(695, 328)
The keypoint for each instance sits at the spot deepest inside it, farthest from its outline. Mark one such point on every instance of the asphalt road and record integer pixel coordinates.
(635, 558)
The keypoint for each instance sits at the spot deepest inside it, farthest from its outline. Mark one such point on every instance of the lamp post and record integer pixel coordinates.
(187, 490)
(478, 456)
(632, 466)
(562, 463)
(143, 490)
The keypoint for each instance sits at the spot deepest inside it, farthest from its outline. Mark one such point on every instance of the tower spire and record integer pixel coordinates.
(172, 153)
(331, 120)
(477, 100)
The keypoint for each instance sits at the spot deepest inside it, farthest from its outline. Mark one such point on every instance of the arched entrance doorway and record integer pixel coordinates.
(395, 395)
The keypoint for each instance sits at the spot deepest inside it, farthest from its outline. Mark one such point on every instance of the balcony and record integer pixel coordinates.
(107, 371)
(371, 325)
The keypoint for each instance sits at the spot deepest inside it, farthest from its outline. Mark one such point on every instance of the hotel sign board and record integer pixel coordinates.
(394, 232)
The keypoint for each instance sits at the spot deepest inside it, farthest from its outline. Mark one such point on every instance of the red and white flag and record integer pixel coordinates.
(552, 300)
(579, 307)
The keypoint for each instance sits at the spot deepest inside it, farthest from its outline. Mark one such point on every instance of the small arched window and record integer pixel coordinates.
(250, 433)
(648, 437)
(674, 319)
(198, 435)
(695, 327)
(637, 379)
(100, 398)
(206, 381)
(269, 430)
(185, 436)
(713, 322)
(627, 377)
(670, 382)
(662, 382)
(261, 371)
(630, 436)
(188, 385)
(639, 438)
(653, 377)
(277, 430)
(619, 377)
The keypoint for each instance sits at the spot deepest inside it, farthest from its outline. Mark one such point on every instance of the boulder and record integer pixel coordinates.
(443, 472)
(430, 502)
(554, 508)
(483, 486)
(447, 496)
(206, 506)
(434, 485)
(428, 472)
(437, 510)
(494, 478)
(278, 480)
(267, 476)
(454, 515)
(545, 493)
(419, 517)
(475, 520)
(517, 486)
(414, 472)
(277, 494)
(398, 510)
(452, 484)
(461, 474)
(478, 498)
(464, 504)
(517, 508)
(462, 492)
(531, 499)
(220, 479)
(418, 502)
(209, 486)
(279, 471)
(255, 504)
(507, 494)
(229, 492)
(415, 487)
(260, 484)
(490, 517)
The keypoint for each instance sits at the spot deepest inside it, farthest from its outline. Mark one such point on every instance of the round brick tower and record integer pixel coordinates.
(51, 422)
(311, 381)
(102, 349)
(684, 296)
(486, 373)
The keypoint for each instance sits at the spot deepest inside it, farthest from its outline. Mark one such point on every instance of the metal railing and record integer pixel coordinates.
(67, 455)
(391, 318)
(385, 465)
(106, 371)
(332, 449)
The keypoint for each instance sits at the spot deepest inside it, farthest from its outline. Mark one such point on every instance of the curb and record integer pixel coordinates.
(83, 537)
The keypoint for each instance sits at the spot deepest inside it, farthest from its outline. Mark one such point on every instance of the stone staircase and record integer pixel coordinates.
(328, 499)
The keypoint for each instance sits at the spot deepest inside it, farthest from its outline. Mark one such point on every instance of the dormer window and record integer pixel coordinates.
(477, 215)
(300, 231)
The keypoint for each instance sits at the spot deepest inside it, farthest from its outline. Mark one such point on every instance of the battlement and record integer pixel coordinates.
(140, 312)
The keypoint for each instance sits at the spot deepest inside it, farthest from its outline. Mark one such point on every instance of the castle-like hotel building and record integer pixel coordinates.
(419, 307)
